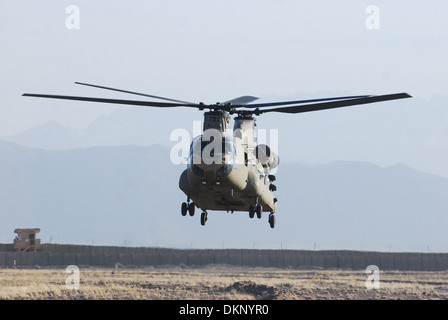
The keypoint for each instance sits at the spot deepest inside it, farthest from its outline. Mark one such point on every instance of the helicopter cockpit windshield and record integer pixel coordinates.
(211, 152)
(219, 155)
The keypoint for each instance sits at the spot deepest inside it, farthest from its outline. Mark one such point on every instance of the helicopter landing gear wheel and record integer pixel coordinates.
(187, 207)
(251, 211)
(184, 209)
(272, 220)
(204, 217)
(191, 209)
(259, 210)
(255, 209)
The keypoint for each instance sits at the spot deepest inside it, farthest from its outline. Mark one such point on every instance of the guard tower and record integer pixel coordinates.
(26, 240)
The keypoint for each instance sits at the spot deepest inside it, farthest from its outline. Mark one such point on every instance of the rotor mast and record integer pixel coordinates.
(218, 120)
(244, 128)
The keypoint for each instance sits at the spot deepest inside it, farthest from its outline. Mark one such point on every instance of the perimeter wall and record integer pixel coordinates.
(110, 256)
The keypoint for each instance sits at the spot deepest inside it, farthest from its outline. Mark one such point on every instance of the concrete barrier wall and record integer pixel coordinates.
(109, 256)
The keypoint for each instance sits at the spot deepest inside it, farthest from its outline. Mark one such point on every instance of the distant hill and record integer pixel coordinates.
(129, 195)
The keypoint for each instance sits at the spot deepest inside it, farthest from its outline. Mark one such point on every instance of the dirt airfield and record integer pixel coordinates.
(217, 283)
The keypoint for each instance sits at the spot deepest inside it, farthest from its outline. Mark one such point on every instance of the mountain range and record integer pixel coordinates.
(129, 195)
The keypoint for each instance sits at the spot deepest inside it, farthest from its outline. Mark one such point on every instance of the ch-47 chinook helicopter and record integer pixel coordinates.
(227, 171)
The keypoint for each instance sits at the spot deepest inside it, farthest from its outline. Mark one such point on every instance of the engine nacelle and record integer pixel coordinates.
(266, 156)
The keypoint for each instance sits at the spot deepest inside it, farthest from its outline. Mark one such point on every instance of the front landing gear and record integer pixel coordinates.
(255, 209)
(258, 209)
(187, 207)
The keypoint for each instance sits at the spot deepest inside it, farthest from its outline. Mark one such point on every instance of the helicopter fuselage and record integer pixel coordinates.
(224, 172)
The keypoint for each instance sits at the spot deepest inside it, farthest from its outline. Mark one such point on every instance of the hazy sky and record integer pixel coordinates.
(214, 51)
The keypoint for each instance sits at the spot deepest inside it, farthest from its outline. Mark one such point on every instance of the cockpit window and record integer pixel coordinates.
(208, 148)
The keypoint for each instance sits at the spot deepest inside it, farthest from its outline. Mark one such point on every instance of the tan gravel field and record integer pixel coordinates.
(217, 283)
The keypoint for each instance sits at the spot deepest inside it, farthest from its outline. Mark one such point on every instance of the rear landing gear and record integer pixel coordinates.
(272, 220)
(204, 217)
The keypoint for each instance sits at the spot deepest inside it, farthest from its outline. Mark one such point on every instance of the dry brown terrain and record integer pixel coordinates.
(219, 282)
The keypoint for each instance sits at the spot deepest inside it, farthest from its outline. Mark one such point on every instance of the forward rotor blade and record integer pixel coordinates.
(242, 100)
(336, 104)
(282, 103)
(132, 92)
(116, 101)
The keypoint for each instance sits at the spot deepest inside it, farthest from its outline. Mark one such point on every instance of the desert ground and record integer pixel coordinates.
(217, 283)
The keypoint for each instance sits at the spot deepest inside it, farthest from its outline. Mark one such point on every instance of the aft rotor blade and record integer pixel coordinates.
(282, 103)
(336, 104)
(115, 101)
(132, 92)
